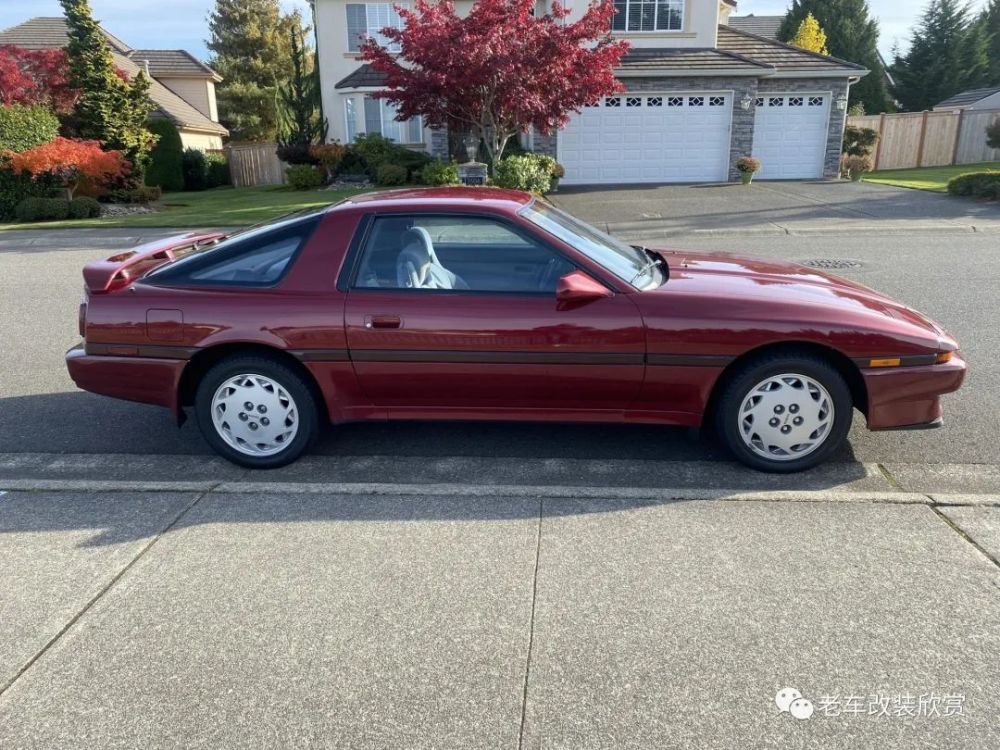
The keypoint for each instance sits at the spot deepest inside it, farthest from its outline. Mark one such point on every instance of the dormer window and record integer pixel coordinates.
(648, 15)
(366, 20)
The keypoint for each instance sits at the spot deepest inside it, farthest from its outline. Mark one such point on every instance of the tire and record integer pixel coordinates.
(282, 406)
(766, 409)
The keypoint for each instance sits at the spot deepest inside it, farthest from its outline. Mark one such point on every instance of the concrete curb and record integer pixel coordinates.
(491, 491)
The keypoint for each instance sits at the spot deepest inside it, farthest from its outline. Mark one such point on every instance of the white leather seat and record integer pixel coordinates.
(418, 267)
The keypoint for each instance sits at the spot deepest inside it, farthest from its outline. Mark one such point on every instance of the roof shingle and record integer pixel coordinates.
(765, 26)
(967, 97)
(173, 62)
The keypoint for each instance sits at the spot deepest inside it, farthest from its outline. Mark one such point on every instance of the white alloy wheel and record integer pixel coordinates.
(786, 417)
(255, 415)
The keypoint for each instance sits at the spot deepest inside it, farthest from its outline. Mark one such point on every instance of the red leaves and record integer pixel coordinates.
(35, 77)
(500, 67)
(70, 159)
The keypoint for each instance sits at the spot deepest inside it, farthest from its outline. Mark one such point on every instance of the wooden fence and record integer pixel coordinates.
(253, 164)
(930, 139)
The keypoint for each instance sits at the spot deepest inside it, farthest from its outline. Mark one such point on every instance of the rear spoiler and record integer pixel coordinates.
(120, 270)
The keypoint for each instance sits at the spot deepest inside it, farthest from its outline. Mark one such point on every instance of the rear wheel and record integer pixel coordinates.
(784, 413)
(256, 412)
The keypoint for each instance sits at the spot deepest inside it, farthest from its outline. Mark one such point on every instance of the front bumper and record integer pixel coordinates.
(901, 398)
(147, 380)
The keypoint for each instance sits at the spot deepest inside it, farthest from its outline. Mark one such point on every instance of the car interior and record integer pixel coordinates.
(456, 254)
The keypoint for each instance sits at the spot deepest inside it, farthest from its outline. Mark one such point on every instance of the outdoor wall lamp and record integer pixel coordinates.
(842, 103)
(746, 101)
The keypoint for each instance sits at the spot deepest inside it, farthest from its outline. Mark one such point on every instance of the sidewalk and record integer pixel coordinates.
(143, 619)
(764, 208)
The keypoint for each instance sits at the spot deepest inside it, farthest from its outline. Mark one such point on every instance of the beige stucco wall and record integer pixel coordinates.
(200, 141)
(198, 92)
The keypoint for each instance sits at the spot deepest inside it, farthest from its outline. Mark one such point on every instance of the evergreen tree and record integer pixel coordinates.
(989, 20)
(852, 35)
(110, 108)
(810, 36)
(947, 55)
(300, 121)
(250, 40)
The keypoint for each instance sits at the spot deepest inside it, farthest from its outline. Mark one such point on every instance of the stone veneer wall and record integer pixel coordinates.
(741, 140)
(438, 147)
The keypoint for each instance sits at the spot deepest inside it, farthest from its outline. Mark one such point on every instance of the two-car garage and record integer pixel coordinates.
(673, 136)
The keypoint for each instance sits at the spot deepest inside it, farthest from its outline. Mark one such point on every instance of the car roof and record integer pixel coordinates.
(441, 197)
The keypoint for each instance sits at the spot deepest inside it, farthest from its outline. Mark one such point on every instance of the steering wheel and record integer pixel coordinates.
(548, 276)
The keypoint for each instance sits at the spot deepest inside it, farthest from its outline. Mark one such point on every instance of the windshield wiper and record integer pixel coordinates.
(654, 261)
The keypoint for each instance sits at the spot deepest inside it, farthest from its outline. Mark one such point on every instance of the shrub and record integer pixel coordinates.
(141, 195)
(296, 153)
(529, 172)
(194, 166)
(304, 177)
(748, 165)
(69, 160)
(855, 166)
(374, 150)
(859, 141)
(993, 133)
(983, 185)
(353, 165)
(329, 156)
(23, 127)
(218, 174)
(84, 208)
(165, 167)
(391, 174)
(16, 186)
(440, 173)
(42, 209)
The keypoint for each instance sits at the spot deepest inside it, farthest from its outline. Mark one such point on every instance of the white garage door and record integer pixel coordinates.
(649, 138)
(789, 135)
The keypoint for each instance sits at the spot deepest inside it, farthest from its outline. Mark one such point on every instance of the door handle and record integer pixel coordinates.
(383, 321)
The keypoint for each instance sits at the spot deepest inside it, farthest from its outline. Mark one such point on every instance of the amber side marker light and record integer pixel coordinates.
(943, 357)
(892, 362)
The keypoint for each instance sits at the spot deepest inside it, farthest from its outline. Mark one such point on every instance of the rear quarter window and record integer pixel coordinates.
(259, 258)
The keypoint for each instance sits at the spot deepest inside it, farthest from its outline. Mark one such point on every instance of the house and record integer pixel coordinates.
(699, 94)
(977, 99)
(182, 88)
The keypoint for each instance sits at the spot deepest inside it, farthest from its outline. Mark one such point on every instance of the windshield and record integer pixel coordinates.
(631, 264)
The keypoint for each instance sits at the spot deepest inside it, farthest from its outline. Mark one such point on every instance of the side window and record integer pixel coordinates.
(464, 253)
(257, 258)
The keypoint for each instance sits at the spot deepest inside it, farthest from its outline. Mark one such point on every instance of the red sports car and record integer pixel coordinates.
(486, 304)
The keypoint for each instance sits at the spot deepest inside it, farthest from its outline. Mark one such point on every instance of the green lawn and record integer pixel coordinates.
(927, 178)
(220, 207)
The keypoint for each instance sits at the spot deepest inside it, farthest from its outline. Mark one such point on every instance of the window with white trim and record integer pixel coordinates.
(380, 117)
(351, 119)
(648, 15)
(366, 20)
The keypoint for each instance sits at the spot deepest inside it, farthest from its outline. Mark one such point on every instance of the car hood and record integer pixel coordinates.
(736, 276)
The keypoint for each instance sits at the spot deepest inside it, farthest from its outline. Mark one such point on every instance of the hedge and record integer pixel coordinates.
(24, 127)
(984, 185)
(15, 187)
(195, 168)
(165, 169)
(42, 209)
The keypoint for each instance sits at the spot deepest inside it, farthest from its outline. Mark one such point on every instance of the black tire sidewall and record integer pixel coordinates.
(727, 422)
(290, 380)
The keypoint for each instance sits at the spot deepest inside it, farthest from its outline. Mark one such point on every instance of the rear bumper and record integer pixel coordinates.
(907, 398)
(144, 379)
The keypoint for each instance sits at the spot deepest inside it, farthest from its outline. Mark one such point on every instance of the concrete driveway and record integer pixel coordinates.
(825, 207)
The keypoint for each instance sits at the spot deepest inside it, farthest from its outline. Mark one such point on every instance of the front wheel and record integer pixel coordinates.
(784, 413)
(256, 412)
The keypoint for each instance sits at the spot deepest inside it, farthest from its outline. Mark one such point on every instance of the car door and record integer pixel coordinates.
(477, 326)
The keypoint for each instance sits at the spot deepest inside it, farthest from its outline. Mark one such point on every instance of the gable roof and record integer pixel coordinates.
(361, 77)
(966, 98)
(766, 26)
(783, 57)
(50, 33)
(173, 62)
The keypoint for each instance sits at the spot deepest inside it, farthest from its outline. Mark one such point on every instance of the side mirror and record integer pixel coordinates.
(577, 288)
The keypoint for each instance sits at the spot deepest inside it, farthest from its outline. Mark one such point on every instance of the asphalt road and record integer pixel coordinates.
(954, 278)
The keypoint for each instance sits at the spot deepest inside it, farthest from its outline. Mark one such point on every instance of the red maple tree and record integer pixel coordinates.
(500, 70)
(35, 77)
(70, 160)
